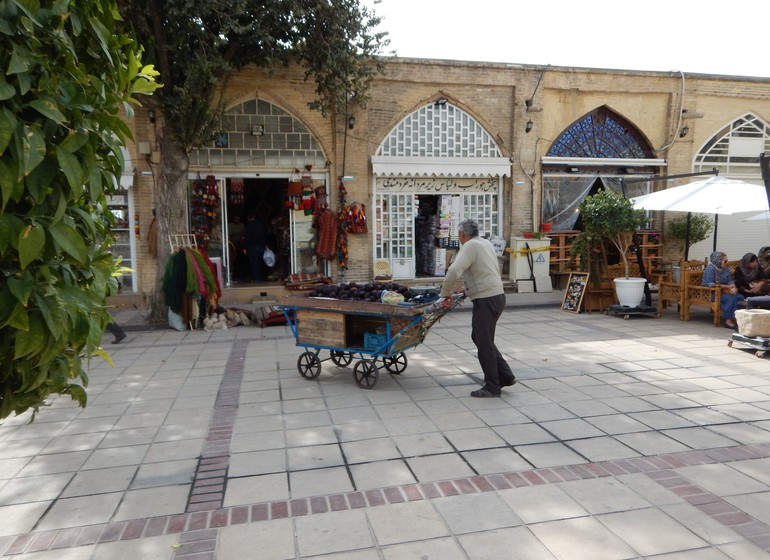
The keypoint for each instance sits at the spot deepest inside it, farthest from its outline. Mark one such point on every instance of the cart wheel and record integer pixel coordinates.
(341, 359)
(760, 353)
(730, 343)
(309, 365)
(365, 373)
(657, 315)
(395, 364)
(625, 317)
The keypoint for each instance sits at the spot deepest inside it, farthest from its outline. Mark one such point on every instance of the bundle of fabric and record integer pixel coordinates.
(189, 277)
(306, 281)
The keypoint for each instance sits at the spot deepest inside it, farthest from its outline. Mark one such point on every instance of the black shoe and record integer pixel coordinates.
(118, 338)
(508, 383)
(483, 394)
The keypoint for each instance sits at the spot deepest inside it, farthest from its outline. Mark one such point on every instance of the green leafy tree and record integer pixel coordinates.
(613, 217)
(68, 73)
(701, 225)
(197, 45)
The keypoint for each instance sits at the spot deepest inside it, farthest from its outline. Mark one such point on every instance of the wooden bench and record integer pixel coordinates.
(672, 291)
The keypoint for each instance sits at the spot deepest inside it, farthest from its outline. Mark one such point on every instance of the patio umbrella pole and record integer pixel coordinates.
(716, 228)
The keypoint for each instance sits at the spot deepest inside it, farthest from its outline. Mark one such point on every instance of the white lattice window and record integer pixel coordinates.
(439, 131)
(482, 207)
(735, 149)
(394, 225)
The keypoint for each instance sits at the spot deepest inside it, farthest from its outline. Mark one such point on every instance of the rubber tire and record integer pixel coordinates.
(309, 365)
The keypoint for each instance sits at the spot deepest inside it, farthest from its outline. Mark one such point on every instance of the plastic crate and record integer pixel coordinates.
(374, 341)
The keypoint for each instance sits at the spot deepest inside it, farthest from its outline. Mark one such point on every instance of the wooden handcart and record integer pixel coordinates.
(366, 330)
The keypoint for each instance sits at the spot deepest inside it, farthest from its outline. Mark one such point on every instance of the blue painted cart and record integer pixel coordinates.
(368, 331)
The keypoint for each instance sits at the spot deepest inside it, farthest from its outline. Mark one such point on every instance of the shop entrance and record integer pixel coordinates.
(289, 232)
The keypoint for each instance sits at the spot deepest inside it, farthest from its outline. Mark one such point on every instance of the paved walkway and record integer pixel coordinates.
(623, 439)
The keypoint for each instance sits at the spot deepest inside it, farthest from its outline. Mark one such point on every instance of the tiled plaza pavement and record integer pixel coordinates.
(646, 438)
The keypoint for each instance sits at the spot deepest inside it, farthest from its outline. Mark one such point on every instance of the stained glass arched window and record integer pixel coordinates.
(735, 149)
(601, 134)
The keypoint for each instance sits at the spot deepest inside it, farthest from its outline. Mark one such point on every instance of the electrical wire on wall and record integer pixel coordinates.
(679, 119)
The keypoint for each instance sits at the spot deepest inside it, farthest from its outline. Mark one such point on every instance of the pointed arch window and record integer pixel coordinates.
(601, 134)
(735, 149)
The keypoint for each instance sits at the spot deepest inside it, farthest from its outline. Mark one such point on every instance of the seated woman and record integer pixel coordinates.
(749, 278)
(763, 256)
(718, 271)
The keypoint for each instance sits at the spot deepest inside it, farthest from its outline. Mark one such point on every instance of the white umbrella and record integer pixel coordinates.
(763, 216)
(715, 195)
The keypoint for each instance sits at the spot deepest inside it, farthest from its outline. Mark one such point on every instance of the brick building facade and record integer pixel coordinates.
(510, 145)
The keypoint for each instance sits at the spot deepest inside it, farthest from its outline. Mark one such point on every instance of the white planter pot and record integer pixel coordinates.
(630, 291)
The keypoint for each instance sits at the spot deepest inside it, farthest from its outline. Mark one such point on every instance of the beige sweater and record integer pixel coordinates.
(476, 267)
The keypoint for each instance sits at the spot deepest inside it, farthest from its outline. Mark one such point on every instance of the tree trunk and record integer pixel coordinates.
(171, 212)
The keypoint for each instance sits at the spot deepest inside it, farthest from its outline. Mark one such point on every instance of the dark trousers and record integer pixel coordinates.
(256, 264)
(486, 312)
(115, 330)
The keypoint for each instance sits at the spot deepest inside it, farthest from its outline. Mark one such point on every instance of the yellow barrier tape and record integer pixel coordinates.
(524, 251)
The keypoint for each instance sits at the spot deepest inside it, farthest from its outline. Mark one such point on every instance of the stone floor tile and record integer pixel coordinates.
(178, 449)
(396, 523)
(83, 510)
(603, 495)
(314, 457)
(661, 419)
(596, 542)
(722, 479)
(651, 443)
(744, 433)
(573, 428)
(164, 474)
(523, 434)
(549, 455)
(257, 462)
(757, 505)
(333, 532)
(471, 513)
(755, 468)
(535, 504)
(53, 464)
(243, 443)
(649, 489)
(99, 481)
(370, 450)
(320, 482)
(703, 525)
(491, 461)
(422, 444)
(19, 519)
(381, 474)
(148, 548)
(445, 548)
(275, 540)
(502, 543)
(744, 551)
(256, 489)
(363, 430)
(152, 502)
(116, 457)
(545, 412)
(650, 532)
(33, 488)
(602, 449)
(474, 438)
(439, 467)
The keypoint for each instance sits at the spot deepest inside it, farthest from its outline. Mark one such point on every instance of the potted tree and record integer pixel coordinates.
(613, 217)
(701, 225)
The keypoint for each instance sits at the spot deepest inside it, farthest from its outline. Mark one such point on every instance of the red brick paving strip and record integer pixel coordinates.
(198, 530)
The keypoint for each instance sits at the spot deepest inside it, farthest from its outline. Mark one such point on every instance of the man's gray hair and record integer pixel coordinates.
(469, 227)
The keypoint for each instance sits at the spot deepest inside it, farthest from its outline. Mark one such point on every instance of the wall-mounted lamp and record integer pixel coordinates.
(528, 126)
(683, 132)
(151, 115)
(440, 102)
(257, 130)
(351, 122)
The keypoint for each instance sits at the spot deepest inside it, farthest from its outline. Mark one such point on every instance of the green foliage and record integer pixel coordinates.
(198, 44)
(701, 225)
(68, 73)
(613, 217)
